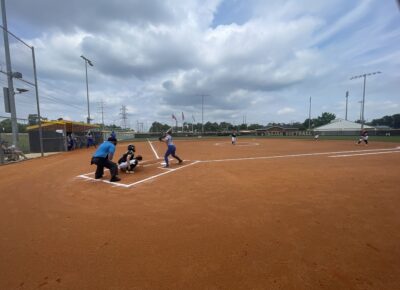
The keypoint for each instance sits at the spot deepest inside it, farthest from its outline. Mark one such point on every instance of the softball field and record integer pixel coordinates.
(263, 214)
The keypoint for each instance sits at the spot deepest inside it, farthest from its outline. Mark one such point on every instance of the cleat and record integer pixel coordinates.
(115, 179)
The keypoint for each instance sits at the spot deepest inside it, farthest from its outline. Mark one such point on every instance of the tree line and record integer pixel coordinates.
(325, 118)
(392, 121)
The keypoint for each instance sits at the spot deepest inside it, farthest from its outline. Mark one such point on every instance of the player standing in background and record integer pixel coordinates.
(363, 137)
(90, 140)
(102, 158)
(233, 135)
(171, 147)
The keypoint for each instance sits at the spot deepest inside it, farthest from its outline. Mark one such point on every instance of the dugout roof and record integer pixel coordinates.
(69, 126)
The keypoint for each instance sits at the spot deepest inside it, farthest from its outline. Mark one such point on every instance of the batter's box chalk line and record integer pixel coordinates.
(119, 184)
(179, 167)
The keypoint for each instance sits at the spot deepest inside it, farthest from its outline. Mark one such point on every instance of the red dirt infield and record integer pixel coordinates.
(264, 214)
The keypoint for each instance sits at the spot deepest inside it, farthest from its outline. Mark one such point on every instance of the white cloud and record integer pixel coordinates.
(158, 56)
(286, 111)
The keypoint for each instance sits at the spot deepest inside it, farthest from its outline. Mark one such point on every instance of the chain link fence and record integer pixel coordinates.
(10, 152)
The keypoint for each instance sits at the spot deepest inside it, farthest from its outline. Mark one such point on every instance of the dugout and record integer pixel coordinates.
(55, 134)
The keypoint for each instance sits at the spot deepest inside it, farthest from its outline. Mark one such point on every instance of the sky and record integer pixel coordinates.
(258, 61)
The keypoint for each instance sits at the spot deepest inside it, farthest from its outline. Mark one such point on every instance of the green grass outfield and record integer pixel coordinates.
(355, 138)
(372, 138)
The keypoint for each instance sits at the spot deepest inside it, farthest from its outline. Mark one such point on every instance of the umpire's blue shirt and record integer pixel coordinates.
(104, 149)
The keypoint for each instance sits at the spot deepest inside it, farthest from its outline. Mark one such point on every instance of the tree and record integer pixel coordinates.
(5, 126)
(324, 119)
(242, 127)
(158, 127)
(210, 127)
(255, 126)
(391, 121)
(225, 126)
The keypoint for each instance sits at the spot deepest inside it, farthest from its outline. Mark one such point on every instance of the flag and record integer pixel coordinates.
(173, 117)
(183, 117)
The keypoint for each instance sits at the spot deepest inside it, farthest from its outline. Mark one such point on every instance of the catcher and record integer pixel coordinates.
(128, 161)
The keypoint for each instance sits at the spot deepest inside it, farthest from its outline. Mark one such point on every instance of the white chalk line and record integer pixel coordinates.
(237, 144)
(158, 175)
(362, 154)
(154, 150)
(165, 168)
(294, 155)
(366, 151)
(102, 180)
(169, 170)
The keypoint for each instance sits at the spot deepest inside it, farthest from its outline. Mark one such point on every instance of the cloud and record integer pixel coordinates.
(286, 111)
(159, 57)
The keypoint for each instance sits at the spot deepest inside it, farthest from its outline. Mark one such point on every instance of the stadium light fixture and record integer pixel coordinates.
(363, 100)
(20, 91)
(17, 75)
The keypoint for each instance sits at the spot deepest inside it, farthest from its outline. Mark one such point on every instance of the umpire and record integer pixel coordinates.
(102, 158)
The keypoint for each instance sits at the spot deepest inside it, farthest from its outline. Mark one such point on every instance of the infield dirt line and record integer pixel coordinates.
(296, 155)
(158, 175)
(101, 180)
(362, 154)
(154, 150)
(170, 170)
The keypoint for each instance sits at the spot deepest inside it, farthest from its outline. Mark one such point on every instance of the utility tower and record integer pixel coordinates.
(101, 107)
(124, 116)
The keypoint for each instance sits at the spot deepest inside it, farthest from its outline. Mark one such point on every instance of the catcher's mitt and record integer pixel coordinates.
(160, 138)
(139, 157)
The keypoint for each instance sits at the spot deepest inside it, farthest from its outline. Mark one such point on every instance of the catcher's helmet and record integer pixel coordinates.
(131, 147)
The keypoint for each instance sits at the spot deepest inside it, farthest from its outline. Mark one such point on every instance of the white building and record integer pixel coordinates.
(341, 127)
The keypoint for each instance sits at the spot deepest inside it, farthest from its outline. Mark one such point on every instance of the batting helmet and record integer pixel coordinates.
(131, 147)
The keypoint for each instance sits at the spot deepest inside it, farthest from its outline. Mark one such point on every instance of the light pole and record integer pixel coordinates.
(309, 116)
(87, 61)
(11, 97)
(347, 101)
(363, 100)
(18, 75)
(202, 111)
(202, 114)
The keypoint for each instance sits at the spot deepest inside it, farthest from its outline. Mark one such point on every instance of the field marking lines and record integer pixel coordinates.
(87, 178)
(147, 162)
(169, 170)
(368, 153)
(237, 144)
(154, 150)
(158, 175)
(296, 155)
(165, 168)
